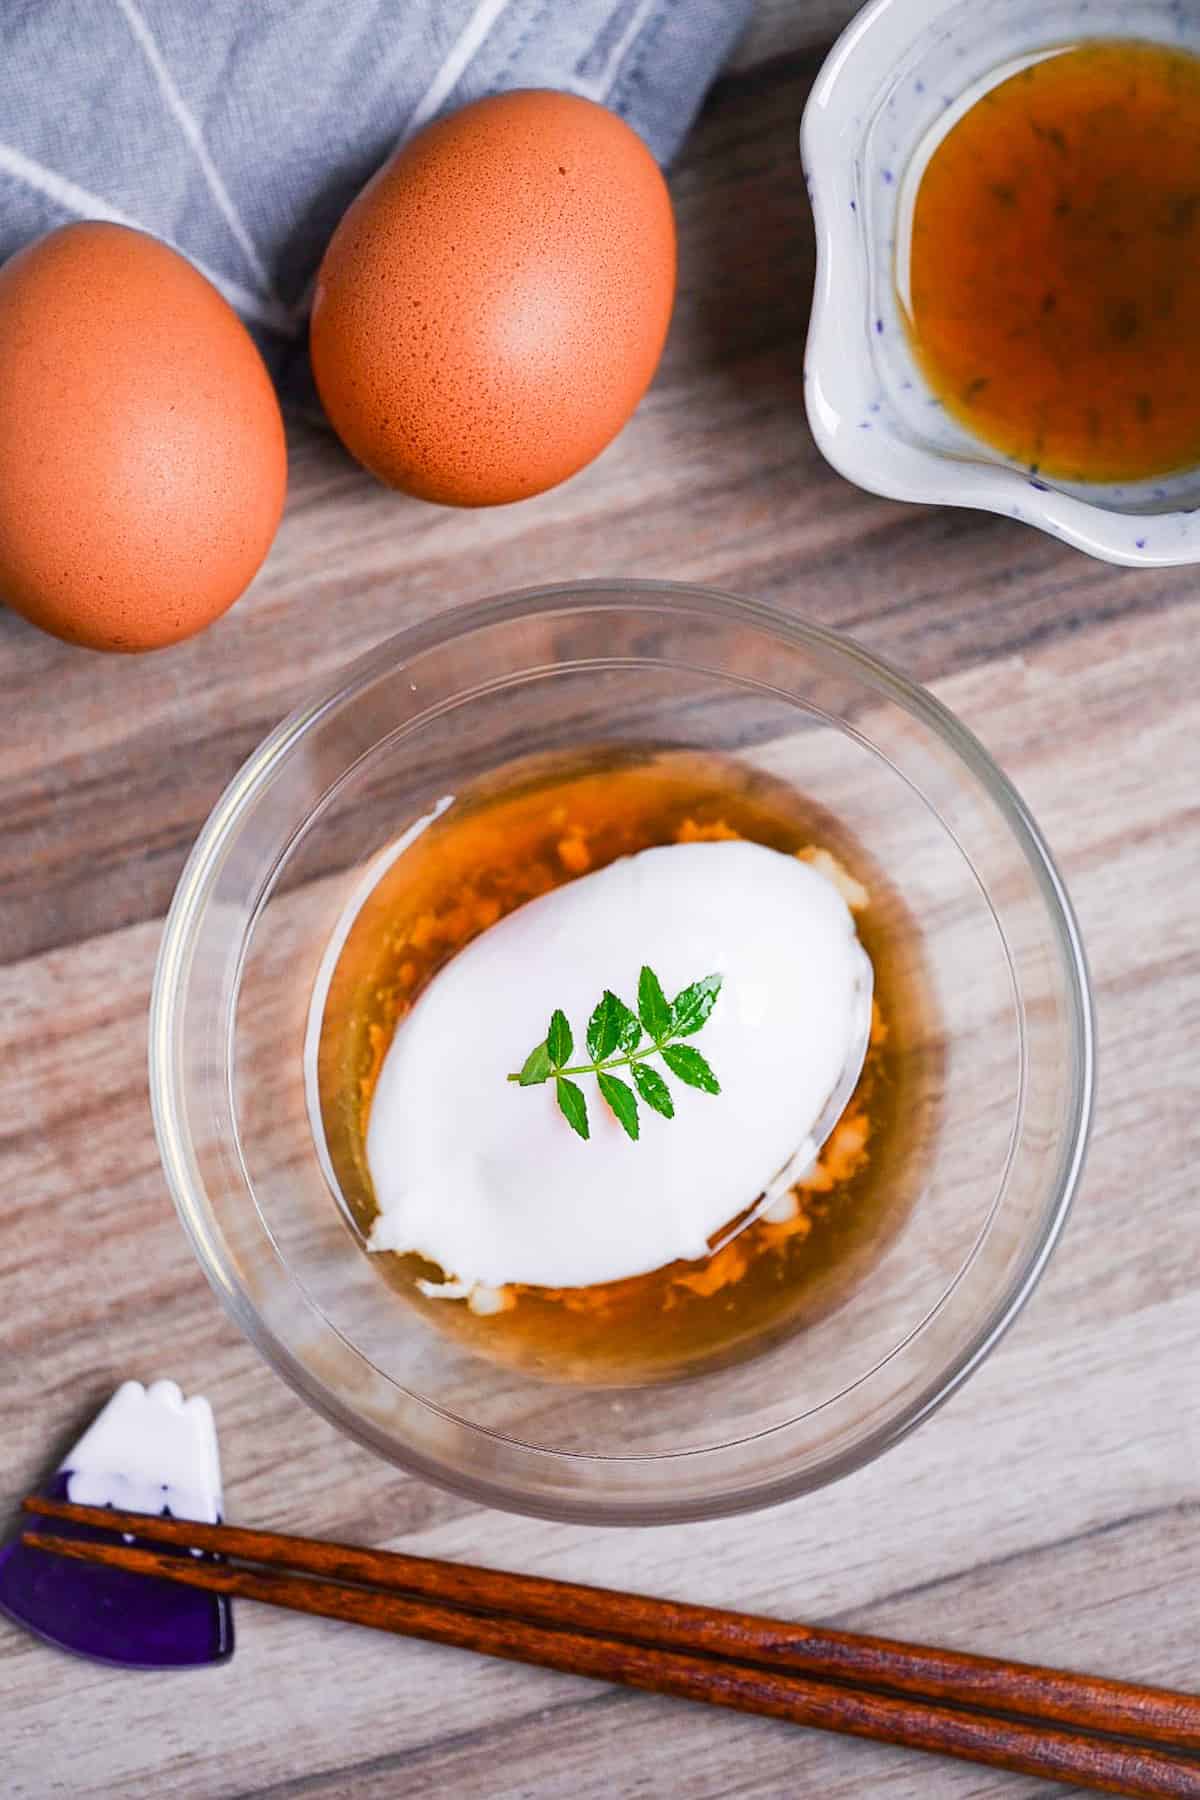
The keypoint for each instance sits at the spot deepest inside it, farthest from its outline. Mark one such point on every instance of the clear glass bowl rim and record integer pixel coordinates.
(609, 594)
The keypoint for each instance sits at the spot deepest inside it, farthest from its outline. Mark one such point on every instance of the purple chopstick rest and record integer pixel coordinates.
(148, 1451)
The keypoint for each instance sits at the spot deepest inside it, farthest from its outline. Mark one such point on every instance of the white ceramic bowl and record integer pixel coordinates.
(900, 75)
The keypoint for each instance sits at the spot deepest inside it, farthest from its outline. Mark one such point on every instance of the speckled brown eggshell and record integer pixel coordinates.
(142, 458)
(493, 305)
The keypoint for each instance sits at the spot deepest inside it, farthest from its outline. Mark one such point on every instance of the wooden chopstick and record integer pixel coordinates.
(1085, 1702)
(1007, 1744)
(728, 1659)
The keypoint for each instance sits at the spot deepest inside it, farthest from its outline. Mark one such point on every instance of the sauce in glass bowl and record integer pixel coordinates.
(537, 829)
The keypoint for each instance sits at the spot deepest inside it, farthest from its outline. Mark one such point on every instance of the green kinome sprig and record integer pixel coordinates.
(614, 1041)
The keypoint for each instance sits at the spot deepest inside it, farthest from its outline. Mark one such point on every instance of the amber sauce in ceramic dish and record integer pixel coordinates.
(1051, 280)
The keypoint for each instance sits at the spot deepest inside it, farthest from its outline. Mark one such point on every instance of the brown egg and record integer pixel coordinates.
(493, 305)
(142, 457)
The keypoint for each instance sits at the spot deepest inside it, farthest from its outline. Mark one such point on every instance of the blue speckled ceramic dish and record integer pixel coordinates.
(900, 76)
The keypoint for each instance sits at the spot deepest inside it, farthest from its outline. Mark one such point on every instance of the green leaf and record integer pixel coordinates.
(653, 1009)
(610, 1028)
(623, 1102)
(630, 1034)
(690, 1009)
(616, 1040)
(653, 1089)
(537, 1067)
(572, 1105)
(559, 1041)
(690, 1066)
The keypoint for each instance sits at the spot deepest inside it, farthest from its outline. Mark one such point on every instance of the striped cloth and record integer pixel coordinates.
(239, 130)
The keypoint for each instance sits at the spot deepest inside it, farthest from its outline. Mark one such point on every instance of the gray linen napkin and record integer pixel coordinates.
(239, 130)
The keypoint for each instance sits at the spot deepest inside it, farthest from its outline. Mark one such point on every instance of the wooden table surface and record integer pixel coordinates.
(1047, 1512)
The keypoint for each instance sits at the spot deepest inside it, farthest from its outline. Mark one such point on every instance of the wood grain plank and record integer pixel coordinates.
(1048, 1511)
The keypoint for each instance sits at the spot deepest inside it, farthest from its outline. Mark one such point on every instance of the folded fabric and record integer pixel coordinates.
(239, 130)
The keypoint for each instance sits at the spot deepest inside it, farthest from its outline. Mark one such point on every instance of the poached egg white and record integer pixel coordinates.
(487, 1179)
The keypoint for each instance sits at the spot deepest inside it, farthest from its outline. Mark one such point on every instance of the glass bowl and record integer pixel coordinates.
(615, 665)
(900, 76)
